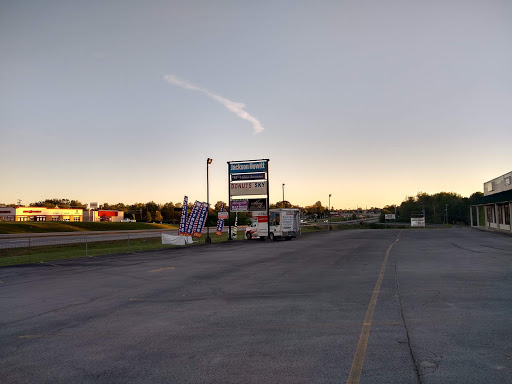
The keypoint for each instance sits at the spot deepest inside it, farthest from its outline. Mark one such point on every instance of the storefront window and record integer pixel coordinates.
(490, 214)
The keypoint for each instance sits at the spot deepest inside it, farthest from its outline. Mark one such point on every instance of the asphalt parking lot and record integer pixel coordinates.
(369, 306)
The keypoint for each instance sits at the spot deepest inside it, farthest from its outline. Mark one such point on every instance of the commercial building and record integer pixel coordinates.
(40, 214)
(493, 211)
(103, 215)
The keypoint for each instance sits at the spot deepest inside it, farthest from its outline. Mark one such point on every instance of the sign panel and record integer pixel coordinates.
(248, 176)
(248, 188)
(93, 205)
(257, 205)
(249, 167)
(287, 221)
(223, 215)
(259, 213)
(417, 221)
(239, 205)
(389, 216)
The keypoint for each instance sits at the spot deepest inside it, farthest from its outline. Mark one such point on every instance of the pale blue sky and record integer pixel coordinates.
(370, 101)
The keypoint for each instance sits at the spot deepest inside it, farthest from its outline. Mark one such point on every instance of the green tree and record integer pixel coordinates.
(148, 217)
(158, 216)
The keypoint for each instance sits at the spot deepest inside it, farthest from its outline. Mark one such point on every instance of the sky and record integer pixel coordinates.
(369, 101)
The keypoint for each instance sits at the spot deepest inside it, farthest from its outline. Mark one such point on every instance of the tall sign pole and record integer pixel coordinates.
(229, 200)
(268, 202)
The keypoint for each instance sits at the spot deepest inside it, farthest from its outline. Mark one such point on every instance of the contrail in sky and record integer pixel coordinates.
(233, 106)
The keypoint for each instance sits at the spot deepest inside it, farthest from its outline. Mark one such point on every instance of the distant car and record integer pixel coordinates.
(251, 232)
(128, 221)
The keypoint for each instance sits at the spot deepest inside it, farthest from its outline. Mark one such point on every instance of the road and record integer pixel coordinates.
(378, 306)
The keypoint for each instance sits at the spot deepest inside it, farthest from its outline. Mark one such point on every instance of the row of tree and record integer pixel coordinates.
(171, 212)
(439, 208)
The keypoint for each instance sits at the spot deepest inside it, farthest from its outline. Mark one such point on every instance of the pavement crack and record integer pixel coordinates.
(417, 367)
(55, 310)
(465, 249)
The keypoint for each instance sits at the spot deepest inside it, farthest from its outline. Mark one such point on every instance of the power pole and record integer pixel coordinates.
(19, 201)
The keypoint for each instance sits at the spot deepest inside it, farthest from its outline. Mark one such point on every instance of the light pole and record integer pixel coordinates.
(283, 195)
(208, 239)
(329, 212)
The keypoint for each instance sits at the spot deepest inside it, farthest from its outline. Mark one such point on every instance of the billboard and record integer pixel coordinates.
(248, 167)
(389, 216)
(248, 188)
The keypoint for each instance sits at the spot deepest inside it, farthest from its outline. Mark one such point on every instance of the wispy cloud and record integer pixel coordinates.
(233, 106)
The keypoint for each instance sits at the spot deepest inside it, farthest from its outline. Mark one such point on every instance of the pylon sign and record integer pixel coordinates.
(239, 172)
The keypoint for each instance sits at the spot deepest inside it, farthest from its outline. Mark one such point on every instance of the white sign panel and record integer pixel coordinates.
(93, 205)
(287, 221)
(223, 215)
(248, 188)
(390, 216)
(417, 221)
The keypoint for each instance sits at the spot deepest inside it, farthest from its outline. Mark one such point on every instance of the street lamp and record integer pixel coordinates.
(283, 195)
(329, 213)
(208, 239)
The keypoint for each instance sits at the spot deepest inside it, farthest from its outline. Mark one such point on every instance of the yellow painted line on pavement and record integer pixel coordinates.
(161, 269)
(357, 363)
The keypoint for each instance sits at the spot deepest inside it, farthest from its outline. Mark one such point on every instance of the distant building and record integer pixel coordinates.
(40, 214)
(493, 211)
(103, 215)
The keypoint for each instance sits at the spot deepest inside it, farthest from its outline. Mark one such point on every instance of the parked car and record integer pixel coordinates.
(128, 221)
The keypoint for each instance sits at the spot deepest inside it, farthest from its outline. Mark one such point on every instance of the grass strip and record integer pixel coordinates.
(39, 254)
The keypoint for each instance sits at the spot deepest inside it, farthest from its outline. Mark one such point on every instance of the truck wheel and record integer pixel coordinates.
(271, 237)
(248, 236)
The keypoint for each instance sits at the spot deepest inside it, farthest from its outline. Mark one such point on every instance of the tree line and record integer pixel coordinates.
(171, 212)
(439, 208)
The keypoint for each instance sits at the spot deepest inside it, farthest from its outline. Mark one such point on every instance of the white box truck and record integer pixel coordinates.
(284, 223)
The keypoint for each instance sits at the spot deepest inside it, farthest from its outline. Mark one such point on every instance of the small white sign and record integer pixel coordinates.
(390, 216)
(259, 213)
(223, 215)
(417, 221)
(93, 205)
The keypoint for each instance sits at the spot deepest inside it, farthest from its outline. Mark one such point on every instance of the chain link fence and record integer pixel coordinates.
(22, 249)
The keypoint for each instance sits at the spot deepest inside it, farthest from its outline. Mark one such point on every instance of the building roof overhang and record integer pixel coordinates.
(501, 197)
